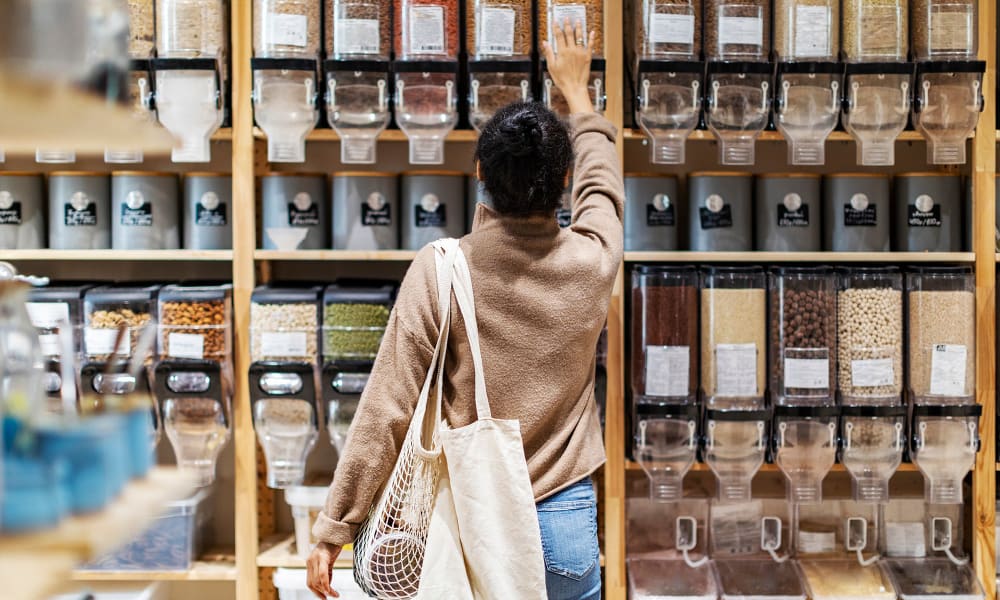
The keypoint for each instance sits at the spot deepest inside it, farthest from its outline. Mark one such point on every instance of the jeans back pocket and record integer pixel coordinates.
(569, 537)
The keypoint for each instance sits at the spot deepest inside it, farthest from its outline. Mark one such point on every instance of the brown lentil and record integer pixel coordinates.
(721, 47)
(478, 12)
(291, 28)
(940, 318)
(141, 26)
(595, 19)
(648, 32)
(869, 327)
(449, 9)
(371, 10)
(807, 29)
(204, 318)
(875, 30)
(944, 29)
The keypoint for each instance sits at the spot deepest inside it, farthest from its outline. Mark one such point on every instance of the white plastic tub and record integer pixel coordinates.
(306, 502)
(291, 584)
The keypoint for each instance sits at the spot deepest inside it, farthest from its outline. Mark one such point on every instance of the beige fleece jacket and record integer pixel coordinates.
(542, 298)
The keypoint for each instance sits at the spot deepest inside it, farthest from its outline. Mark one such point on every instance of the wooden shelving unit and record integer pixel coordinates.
(800, 257)
(334, 255)
(119, 255)
(203, 570)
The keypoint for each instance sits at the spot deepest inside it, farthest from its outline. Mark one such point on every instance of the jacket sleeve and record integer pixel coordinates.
(386, 407)
(598, 187)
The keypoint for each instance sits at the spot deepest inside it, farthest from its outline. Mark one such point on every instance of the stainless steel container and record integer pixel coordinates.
(146, 211)
(365, 211)
(650, 212)
(22, 211)
(293, 207)
(433, 207)
(208, 211)
(720, 211)
(927, 213)
(79, 211)
(789, 212)
(856, 211)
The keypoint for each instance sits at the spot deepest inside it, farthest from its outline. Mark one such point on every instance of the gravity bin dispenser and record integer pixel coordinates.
(426, 76)
(139, 96)
(735, 445)
(872, 443)
(285, 104)
(666, 445)
(499, 48)
(805, 448)
(944, 446)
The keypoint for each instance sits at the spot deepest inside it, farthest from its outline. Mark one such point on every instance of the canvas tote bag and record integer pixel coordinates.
(484, 542)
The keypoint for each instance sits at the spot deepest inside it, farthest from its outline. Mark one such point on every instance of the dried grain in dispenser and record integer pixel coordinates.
(870, 336)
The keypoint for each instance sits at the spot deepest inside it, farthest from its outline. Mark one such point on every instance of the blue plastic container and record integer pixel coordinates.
(116, 450)
(84, 447)
(32, 496)
(139, 424)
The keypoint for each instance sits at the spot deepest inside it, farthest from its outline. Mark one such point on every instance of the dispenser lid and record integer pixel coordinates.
(737, 415)
(663, 269)
(951, 66)
(879, 68)
(953, 410)
(664, 409)
(58, 293)
(740, 68)
(266, 294)
(185, 64)
(196, 293)
(360, 291)
(873, 411)
(425, 66)
(815, 412)
(284, 64)
(107, 294)
(596, 65)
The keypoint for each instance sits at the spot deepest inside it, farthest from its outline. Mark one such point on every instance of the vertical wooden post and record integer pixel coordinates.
(244, 243)
(984, 245)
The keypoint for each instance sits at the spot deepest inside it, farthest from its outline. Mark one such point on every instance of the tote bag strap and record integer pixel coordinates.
(467, 305)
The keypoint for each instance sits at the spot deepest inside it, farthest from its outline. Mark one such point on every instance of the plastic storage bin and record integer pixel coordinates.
(107, 307)
(22, 211)
(291, 584)
(306, 503)
(172, 543)
(671, 580)
(651, 219)
(118, 591)
(870, 335)
(934, 579)
(755, 579)
(846, 580)
(79, 211)
(355, 315)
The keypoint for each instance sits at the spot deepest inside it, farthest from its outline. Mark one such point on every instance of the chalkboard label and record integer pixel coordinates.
(660, 212)
(922, 218)
(10, 214)
(865, 217)
(564, 217)
(377, 217)
(431, 218)
(793, 218)
(720, 219)
(303, 213)
(140, 215)
(80, 215)
(210, 217)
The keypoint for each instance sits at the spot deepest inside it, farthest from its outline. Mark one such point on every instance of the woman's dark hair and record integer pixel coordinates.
(524, 153)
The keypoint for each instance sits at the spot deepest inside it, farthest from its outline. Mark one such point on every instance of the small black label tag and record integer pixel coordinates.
(210, 217)
(793, 218)
(12, 215)
(716, 220)
(85, 217)
(303, 218)
(137, 217)
(866, 217)
(431, 218)
(381, 217)
(660, 218)
(919, 218)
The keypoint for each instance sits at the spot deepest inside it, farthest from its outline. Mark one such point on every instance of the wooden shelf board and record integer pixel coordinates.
(279, 552)
(119, 255)
(389, 135)
(339, 255)
(703, 135)
(211, 568)
(803, 257)
(698, 467)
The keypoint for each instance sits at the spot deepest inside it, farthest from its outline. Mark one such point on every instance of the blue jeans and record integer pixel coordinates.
(568, 521)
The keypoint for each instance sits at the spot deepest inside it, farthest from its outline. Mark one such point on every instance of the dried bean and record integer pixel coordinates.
(353, 331)
(207, 319)
(803, 326)
(869, 328)
(141, 28)
(112, 319)
(593, 9)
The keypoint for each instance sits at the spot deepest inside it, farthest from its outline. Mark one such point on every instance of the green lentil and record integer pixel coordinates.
(353, 331)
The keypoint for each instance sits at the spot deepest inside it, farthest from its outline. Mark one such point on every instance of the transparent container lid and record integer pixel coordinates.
(286, 429)
(756, 579)
(878, 106)
(489, 92)
(668, 109)
(934, 579)
(285, 108)
(357, 108)
(807, 111)
(553, 98)
(846, 580)
(671, 580)
(197, 430)
(947, 112)
(735, 443)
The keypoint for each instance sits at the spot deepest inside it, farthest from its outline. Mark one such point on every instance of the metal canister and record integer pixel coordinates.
(146, 211)
(365, 211)
(856, 212)
(650, 212)
(927, 213)
(22, 211)
(208, 210)
(720, 211)
(433, 207)
(788, 207)
(79, 211)
(294, 214)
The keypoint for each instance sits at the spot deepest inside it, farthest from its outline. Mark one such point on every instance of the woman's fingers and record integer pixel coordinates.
(565, 35)
(550, 57)
(578, 38)
(590, 40)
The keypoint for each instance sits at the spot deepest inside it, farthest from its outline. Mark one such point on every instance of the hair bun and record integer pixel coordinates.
(524, 133)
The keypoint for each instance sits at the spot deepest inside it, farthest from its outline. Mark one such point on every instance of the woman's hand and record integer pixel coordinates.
(319, 566)
(570, 67)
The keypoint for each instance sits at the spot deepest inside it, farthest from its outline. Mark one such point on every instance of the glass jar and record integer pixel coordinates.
(807, 30)
(870, 336)
(733, 337)
(106, 309)
(941, 303)
(945, 29)
(737, 30)
(355, 315)
(875, 30)
(664, 334)
(284, 323)
(668, 29)
(803, 335)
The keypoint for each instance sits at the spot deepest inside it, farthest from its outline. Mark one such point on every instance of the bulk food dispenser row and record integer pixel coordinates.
(363, 65)
(715, 60)
(802, 367)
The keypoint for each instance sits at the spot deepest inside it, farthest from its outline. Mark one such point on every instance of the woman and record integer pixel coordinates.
(542, 297)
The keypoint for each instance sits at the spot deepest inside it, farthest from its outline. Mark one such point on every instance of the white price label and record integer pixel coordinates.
(287, 30)
(948, 364)
(186, 345)
(736, 369)
(427, 30)
(807, 373)
(282, 344)
(747, 31)
(872, 372)
(357, 36)
(102, 341)
(668, 370)
(496, 31)
(47, 315)
(905, 540)
(50, 344)
(669, 28)
(812, 31)
(567, 12)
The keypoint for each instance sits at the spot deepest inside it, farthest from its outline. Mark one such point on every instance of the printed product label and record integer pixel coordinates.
(948, 364)
(50, 344)
(716, 219)
(793, 218)
(567, 12)
(736, 369)
(670, 28)
(102, 341)
(303, 212)
(47, 315)
(564, 217)
(876, 22)
(668, 370)
(287, 30)
(10, 211)
(807, 373)
(186, 345)
(660, 212)
(950, 29)
(139, 216)
(741, 30)
(866, 217)
(376, 217)
(357, 36)
(812, 31)
(923, 213)
(215, 217)
(80, 211)
(496, 31)
(283, 343)
(816, 542)
(427, 30)
(905, 540)
(872, 373)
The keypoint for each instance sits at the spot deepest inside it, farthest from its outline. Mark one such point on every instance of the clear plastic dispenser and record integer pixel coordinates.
(666, 442)
(285, 415)
(139, 94)
(343, 383)
(805, 448)
(944, 446)
(873, 440)
(877, 101)
(870, 336)
(426, 76)
(737, 107)
(671, 580)
(759, 579)
(669, 77)
(735, 444)
(934, 579)
(499, 45)
(356, 75)
(807, 105)
(190, 71)
(554, 13)
(195, 405)
(803, 322)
